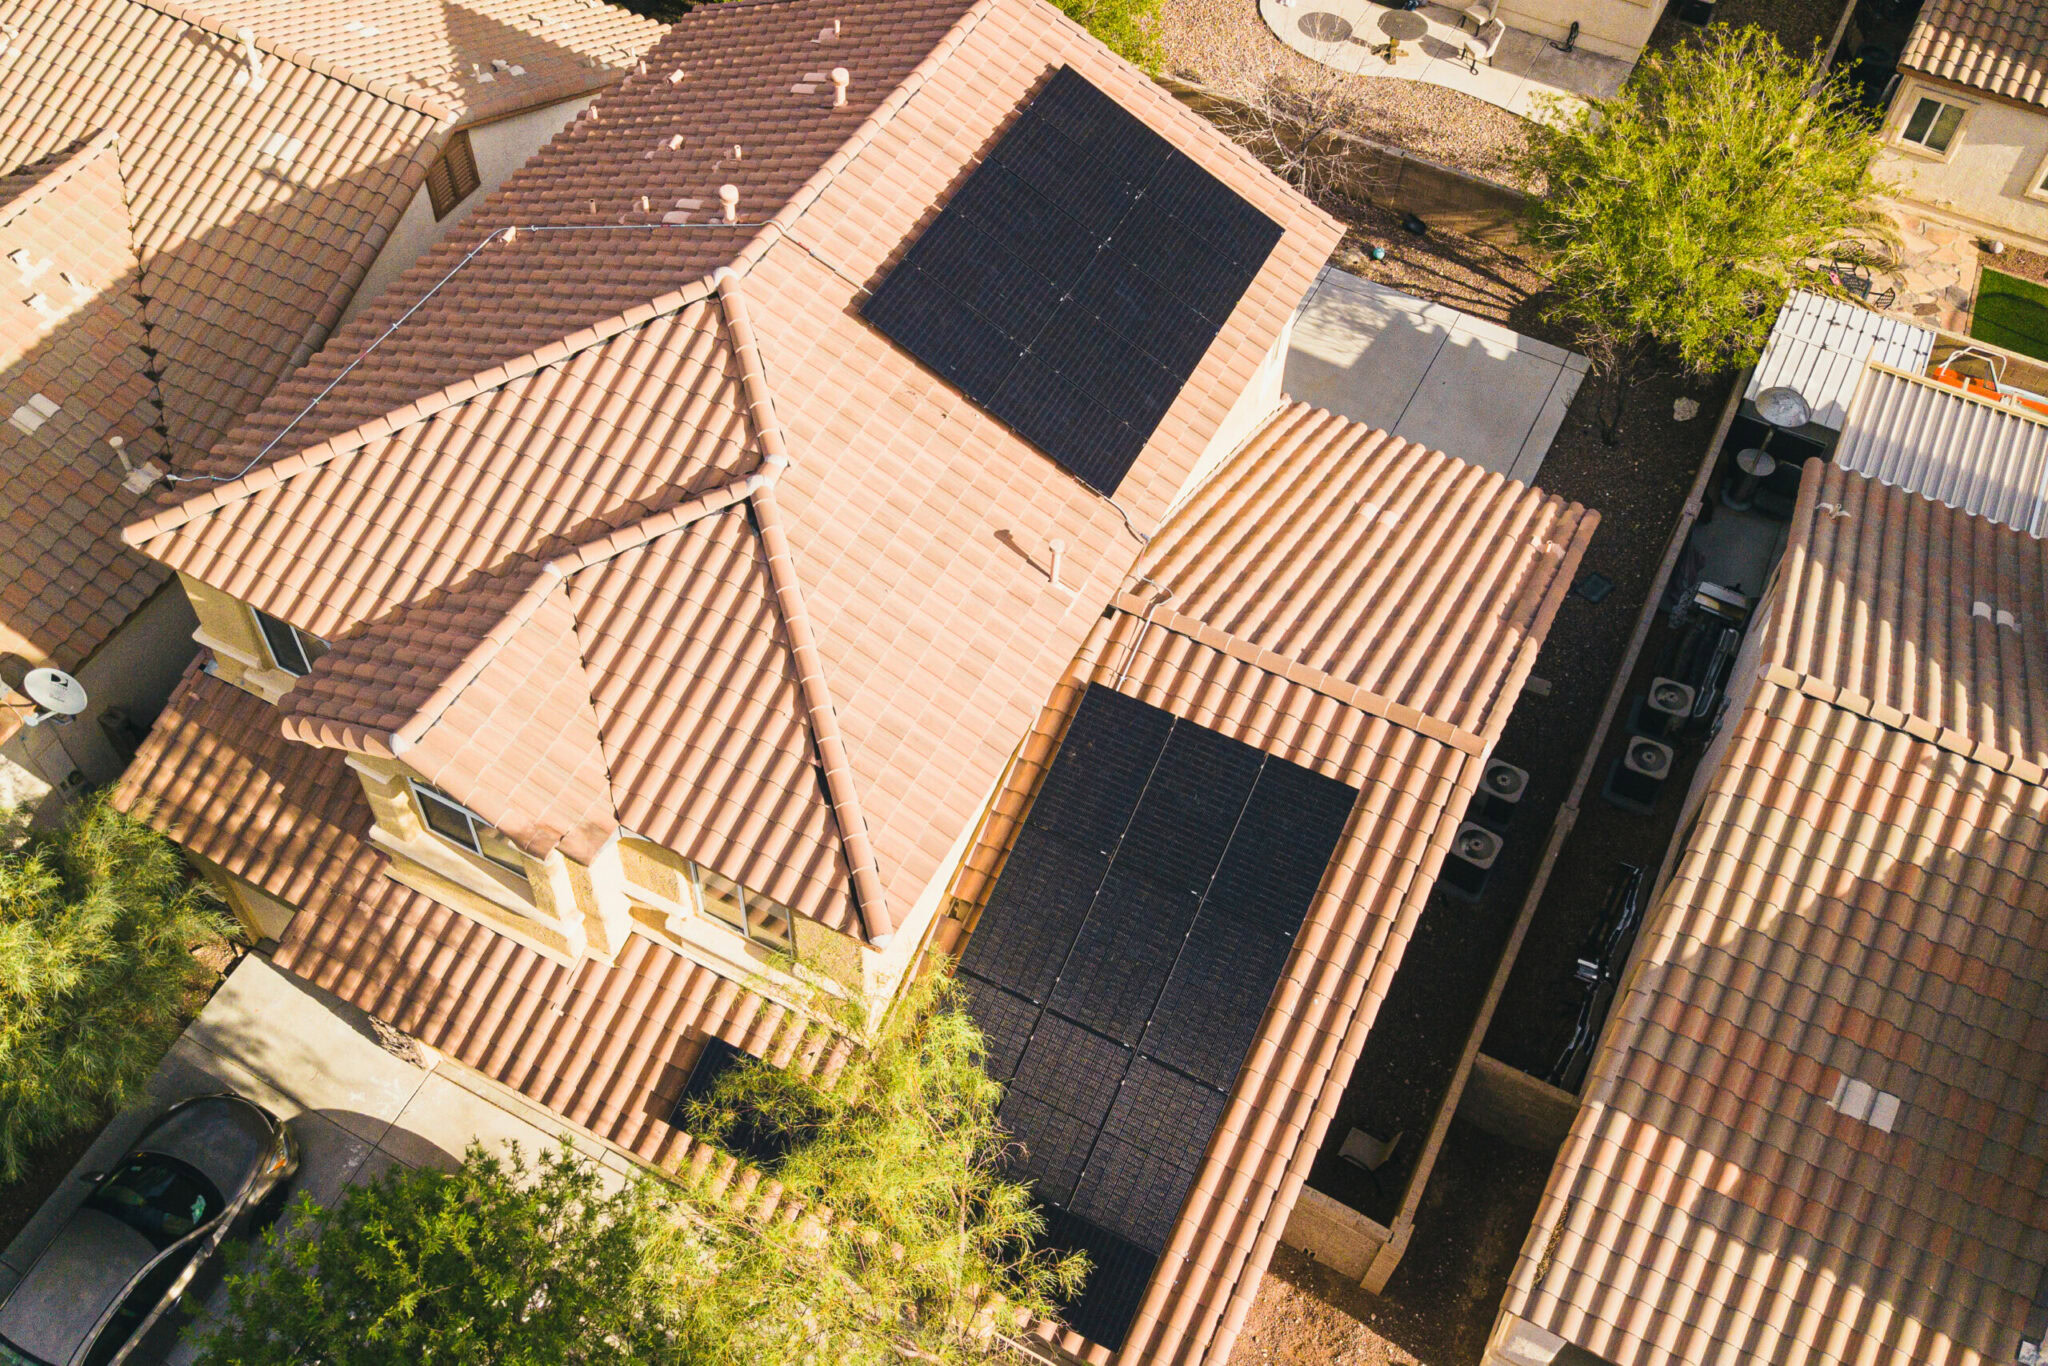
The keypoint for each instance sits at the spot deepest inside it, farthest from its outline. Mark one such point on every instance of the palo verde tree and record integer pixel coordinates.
(923, 1239)
(1678, 213)
(493, 1264)
(98, 922)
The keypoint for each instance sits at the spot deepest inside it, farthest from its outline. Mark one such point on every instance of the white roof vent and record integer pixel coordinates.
(1861, 1100)
(30, 416)
(28, 265)
(40, 302)
(358, 26)
(252, 74)
(80, 290)
(278, 153)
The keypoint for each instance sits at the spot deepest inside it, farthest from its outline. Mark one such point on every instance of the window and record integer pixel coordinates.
(460, 826)
(748, 913)
(453, 178)
(292, 649)
(1933, 124)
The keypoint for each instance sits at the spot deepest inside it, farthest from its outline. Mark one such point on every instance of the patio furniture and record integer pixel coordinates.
(1478, 12)
(1484, 43)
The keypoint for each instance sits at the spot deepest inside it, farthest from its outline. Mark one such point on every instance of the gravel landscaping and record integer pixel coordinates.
(1224, 43)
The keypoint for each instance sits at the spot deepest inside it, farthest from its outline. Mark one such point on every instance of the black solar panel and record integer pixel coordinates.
(1005, 1019)
(1075, 279)
(1034, 913)
(1125, 952)
(1115, 1288)
(1151, 993)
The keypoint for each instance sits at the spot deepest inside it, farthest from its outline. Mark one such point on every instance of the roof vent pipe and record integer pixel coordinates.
(254, 75)
(729, 197)
(1059, 560)
(841, 77)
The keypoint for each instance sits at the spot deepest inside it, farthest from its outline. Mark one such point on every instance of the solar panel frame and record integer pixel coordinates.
(1126, 1073)
(1035, 913)
(1077, 187)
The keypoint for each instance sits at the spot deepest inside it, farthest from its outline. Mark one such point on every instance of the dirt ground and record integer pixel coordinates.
(1219, 43)
(47, 1168)
(1442, 1299)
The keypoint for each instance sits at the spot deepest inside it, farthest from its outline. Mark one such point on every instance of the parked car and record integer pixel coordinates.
(209, 1169)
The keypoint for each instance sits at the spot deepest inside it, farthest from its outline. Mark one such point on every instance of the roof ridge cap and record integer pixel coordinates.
(61, 170)
(259, 478)
(308, 61)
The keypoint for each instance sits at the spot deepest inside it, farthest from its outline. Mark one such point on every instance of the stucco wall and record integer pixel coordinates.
(1999, 153)
(501, 147)
(135, 670)
(1612, 28)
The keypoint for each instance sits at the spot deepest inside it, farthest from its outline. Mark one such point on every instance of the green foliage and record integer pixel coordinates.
(902, 1146)
(1678, 213)
(98, 923)
(1129, 28)
(494, 1264)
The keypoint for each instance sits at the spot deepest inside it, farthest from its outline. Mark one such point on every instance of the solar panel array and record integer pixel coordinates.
(1076, 279)
(1123, 964)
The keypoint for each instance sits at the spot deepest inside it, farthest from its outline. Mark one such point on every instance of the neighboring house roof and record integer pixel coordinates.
(557, 392)
(1998, 46)
(1357, 604)
(457, 53)
(1814, 1130)
(75, 361)
(1985, 458)
(1818, 346)
(255, 212)
(606, 1046)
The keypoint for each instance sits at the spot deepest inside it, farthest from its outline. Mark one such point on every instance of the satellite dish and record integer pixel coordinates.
(55, 691)
(1783, 406)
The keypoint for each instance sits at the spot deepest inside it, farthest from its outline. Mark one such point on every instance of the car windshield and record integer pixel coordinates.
(159, 1197)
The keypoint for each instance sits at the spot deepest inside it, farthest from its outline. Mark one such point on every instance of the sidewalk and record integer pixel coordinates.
(356, 1105)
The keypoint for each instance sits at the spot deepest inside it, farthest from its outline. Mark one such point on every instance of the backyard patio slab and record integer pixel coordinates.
(1526, 76)
(1463, 385)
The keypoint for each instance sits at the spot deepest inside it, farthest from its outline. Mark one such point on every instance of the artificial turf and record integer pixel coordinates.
(2012, 313)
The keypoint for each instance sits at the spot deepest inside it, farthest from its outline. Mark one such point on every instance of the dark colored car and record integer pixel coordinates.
(209, 1169)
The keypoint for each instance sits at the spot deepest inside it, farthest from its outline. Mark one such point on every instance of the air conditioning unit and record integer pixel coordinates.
(1651, 758)
(1669, 697)
(1473, 851)
(1500, 790)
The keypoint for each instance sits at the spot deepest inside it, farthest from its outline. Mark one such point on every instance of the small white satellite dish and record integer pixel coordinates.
(1783, 406)
(55, 691)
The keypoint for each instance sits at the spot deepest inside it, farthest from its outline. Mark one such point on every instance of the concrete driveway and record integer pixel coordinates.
(356, 1104)
(1463, 385)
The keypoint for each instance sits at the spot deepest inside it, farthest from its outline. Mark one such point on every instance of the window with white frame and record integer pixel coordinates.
(462, 827)
(743, 910)
(290, 648)
(1933, 124)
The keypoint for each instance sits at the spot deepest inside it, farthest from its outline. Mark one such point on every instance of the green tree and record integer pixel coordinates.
(901, 1146)
(1678, 213)
(98, 922)
(493, 1264)
(1129, 28)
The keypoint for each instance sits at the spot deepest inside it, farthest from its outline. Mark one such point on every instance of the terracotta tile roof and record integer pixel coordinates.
(255, 212)
(1858, 923)
(444, 50)
(1919, 616)
(1276, 545)
(1999, 46)
(561, 386)
(606, 1046)
(71, 332)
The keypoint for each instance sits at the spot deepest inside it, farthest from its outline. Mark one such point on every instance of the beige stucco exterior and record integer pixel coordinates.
(501, 147)
(1987, 182)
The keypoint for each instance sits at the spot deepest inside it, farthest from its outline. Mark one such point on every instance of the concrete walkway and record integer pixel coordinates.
(1527, 75)
(1463, 385)
(357, 1106)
